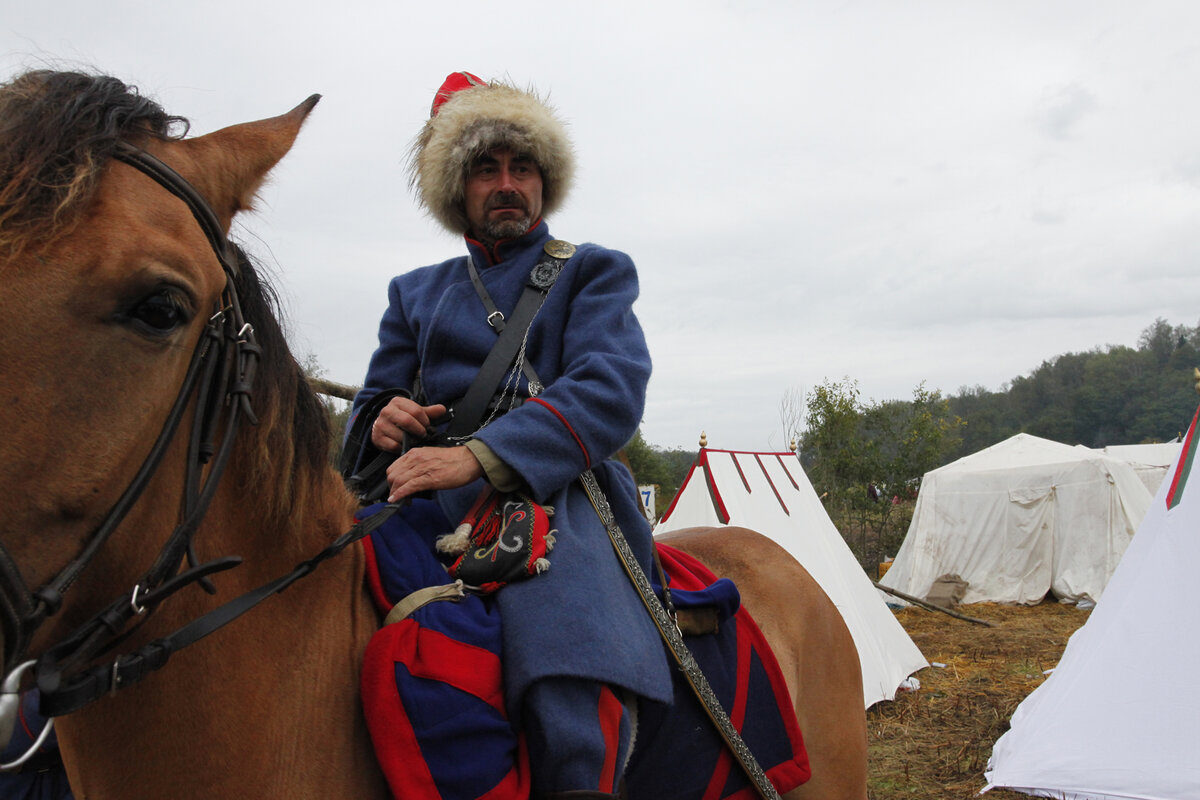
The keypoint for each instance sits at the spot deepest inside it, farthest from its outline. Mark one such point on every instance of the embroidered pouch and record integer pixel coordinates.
(505, 537)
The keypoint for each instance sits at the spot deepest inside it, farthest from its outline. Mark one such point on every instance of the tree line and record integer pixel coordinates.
(866, 459)
(1105, 396)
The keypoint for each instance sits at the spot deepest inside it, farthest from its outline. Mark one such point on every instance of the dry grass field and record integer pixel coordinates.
(934, 743)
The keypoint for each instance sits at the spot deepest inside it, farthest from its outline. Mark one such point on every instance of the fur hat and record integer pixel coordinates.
(469, 118)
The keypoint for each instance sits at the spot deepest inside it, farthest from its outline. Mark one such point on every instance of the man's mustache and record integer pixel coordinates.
(506, 200)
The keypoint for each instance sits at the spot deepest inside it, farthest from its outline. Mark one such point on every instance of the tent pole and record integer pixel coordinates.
(931, 606)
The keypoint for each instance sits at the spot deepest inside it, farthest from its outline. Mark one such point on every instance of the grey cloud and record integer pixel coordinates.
(1060, 111)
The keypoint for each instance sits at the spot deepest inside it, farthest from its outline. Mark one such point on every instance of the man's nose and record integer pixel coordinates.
(507, 181)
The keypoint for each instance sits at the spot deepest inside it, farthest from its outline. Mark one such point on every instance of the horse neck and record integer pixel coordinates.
(267, 706)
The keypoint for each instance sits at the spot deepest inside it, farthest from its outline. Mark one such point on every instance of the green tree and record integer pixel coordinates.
(833, 448)
(655, 466)
(861, 456)
(912, 438)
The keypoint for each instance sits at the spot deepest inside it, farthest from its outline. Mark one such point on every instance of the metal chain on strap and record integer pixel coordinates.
(497, 321)
(674, 639)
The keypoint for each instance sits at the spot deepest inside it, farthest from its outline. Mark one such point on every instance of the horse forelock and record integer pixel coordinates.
(57, 132)
(291, 451)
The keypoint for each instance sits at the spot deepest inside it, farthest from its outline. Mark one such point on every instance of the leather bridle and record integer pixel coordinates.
(220, 376)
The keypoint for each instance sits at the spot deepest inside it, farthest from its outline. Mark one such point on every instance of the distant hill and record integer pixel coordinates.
(1109, 395)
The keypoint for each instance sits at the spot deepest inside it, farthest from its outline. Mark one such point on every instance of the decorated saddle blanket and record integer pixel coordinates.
(433, 693)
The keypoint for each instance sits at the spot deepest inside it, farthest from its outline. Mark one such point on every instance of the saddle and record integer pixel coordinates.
(433, 691)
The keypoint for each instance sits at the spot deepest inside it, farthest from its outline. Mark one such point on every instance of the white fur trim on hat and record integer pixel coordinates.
(474, 121)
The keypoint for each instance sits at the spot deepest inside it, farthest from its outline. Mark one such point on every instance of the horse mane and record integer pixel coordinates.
(57, 131)
(294, 428)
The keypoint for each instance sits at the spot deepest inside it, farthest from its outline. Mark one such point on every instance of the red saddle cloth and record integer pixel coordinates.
(433, 697)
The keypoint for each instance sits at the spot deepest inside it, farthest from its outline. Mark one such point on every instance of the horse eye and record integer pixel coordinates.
(159, 313)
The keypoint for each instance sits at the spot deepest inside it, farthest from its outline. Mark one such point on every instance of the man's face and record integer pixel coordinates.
(503, 195)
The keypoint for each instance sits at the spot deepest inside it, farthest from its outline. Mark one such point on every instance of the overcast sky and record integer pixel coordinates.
(898, 192)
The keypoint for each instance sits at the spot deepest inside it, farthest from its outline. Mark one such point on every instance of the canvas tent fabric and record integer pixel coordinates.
(1120, 715)
(769, 493)
(1149, 461)
(1019, 519)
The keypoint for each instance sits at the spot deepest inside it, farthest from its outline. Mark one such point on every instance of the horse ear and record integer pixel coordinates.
(231, 164)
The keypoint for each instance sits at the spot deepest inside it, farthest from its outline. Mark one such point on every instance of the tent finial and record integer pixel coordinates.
(703, 440)
(792, 446)
(1196, 377)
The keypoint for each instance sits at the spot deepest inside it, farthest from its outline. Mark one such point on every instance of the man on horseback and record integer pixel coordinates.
(579, 648)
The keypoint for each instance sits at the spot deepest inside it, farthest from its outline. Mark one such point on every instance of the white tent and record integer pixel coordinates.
(1120, 715)
(1149, 461)
(1019, 519)
(769, 493)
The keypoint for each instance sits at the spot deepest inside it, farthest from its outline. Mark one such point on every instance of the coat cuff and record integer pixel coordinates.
(498, 474)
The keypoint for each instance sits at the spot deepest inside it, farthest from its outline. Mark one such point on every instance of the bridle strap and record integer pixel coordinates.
(63, 695)
(174, 183)
(225, 358)
(50, 596)
(227, 375)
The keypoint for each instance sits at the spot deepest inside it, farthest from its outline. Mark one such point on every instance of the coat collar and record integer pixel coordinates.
(506, 249)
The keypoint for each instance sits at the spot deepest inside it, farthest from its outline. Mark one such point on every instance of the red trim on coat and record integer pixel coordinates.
(493, 255)
(587, 460)
(610, 712)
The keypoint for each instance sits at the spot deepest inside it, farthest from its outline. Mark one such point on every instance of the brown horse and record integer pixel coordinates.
(109, 285)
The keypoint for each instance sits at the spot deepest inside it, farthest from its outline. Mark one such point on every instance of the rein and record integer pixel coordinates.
(221, 377)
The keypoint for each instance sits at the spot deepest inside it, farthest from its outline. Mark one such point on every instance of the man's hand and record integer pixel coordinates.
(424, 468)
(401, 416)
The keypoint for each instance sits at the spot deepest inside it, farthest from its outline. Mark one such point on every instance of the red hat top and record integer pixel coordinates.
(455, 82)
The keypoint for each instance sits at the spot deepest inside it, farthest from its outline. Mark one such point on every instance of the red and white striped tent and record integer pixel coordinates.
(1119, 717)
(769, 493)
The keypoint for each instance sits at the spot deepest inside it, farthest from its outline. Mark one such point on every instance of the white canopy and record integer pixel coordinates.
(769, 493)
(1021, 518)
(1120, 716)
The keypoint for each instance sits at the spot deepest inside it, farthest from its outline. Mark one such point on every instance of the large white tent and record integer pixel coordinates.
(1019, 519)
(1120, 715)
(769, 493)
(1149, 461)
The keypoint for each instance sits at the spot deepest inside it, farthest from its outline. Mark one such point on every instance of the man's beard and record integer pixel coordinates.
(495, 230)
(506, 227)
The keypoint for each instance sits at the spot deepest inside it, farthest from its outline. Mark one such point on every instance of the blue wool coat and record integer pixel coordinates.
(582, 618)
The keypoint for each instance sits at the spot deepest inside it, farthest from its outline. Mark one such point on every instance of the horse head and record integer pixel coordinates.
(110, 285)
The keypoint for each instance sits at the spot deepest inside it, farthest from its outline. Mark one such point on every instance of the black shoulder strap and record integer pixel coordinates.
(470, 411)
